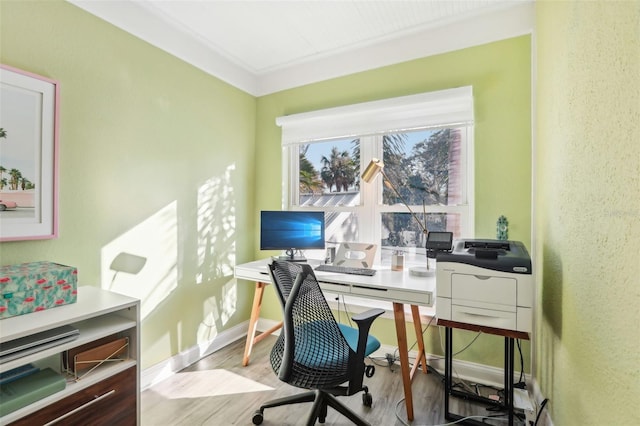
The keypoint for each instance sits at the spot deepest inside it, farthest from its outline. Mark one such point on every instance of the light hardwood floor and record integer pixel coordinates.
(217, 390)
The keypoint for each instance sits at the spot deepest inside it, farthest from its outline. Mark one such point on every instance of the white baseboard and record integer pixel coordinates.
(157, 373)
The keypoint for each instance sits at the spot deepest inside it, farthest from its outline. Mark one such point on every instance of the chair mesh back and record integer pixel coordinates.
(321, 354)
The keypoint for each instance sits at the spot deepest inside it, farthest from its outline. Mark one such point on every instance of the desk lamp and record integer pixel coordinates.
(376, 167)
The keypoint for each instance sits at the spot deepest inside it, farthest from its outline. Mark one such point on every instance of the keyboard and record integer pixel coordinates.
(346, 270)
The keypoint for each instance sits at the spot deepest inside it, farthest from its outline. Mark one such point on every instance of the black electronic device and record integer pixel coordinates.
(292, 231)
(497, 255)
(438, 241)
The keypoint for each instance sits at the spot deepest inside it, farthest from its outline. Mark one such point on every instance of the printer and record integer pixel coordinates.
(486, 282)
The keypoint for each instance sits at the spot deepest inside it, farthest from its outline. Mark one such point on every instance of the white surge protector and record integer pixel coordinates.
(522, 401)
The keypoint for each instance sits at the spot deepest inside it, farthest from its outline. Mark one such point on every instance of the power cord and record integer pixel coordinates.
(348, 315)
(542, 405)
(391, 359)
(521, 384)
(501, 418)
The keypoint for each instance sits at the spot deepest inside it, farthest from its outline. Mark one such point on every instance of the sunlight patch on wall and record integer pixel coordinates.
(216, 227)
(229, 300)
(208, 328)
(142, 262)
(217, 313)
(207, 383)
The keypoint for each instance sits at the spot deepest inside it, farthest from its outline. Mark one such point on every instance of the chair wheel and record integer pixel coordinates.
(367, 399)
(257, 418)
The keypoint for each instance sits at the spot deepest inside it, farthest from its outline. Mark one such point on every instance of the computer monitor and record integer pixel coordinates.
(291, 231)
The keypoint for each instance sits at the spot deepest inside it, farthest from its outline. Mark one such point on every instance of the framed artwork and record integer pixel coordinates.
(29, 108)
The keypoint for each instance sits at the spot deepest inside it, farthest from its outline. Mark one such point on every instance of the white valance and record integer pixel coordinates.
(424, 110)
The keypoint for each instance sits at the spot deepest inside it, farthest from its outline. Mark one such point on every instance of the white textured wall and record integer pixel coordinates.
(588, 210)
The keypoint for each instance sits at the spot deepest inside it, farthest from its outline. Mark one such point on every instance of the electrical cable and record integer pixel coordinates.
(461, 383)
(494, 417)
(375, 360)
(461, 350)
(542, 405)
(433, 370)
(521, 380)
(395, 357)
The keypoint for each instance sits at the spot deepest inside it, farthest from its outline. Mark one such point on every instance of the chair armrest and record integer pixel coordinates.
(364, 321)
(366, 318)
(357, 366)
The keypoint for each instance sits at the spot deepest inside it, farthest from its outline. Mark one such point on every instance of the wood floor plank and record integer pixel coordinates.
(218, 391)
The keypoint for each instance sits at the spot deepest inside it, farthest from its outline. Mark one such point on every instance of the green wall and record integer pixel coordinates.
(588, 211)
(500, 74)
(147, 139)
(151, 150)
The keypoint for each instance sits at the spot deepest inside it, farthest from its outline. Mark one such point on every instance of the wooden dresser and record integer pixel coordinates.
(108, 394)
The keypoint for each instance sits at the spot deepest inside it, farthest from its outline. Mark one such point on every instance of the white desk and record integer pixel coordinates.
(397, 287)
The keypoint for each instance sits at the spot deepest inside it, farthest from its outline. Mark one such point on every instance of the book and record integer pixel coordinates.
(17, 373)
(29, 389)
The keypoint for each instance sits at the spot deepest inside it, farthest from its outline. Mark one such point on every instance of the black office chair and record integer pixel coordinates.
(314, 351)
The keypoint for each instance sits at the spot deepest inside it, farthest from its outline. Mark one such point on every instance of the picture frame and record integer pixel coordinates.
(29, 126)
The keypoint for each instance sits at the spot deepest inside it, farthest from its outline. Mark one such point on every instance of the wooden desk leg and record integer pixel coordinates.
(421, 360)
(401, 333)
(253, 322)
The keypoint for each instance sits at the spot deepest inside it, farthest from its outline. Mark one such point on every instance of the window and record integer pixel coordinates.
(425, 142)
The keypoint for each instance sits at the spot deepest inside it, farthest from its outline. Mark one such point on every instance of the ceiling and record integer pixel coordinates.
(263, 46)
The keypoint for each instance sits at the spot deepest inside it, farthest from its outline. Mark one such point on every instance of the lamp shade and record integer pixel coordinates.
(372, 170)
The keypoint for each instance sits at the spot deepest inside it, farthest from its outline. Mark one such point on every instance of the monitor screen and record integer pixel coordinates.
(286, 230)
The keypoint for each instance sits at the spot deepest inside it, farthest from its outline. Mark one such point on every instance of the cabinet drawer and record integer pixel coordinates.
(109, 402)
(335, 288)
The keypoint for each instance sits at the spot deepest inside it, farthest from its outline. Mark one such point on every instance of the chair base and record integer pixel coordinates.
(321, 400)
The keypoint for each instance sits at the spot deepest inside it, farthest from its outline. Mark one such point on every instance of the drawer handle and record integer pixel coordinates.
(364, 287)
(472, 314)
(482, 277)
(82, 407)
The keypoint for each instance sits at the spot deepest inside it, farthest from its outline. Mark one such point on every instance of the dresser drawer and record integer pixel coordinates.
(112, 401)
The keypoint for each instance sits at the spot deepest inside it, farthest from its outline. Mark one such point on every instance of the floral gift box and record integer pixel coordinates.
(36, 286)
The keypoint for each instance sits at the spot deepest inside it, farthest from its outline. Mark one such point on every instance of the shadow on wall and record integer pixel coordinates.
(552, 283)
(548, 342)
(179, 262)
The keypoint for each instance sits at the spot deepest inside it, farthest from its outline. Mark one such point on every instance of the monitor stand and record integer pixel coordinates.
(290, 256)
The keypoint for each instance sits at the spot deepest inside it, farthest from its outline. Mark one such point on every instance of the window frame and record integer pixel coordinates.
(369, 121)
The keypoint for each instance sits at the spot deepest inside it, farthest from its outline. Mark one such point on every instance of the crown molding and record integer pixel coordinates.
(493, 24)
(141, 22)
(476, 30)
